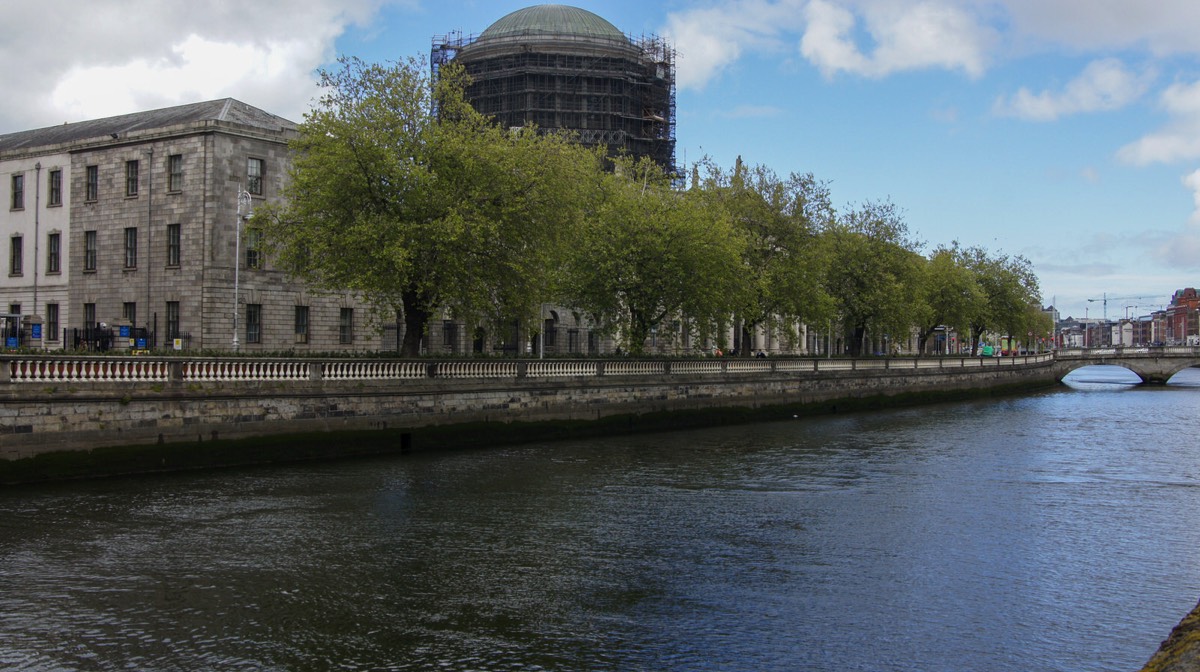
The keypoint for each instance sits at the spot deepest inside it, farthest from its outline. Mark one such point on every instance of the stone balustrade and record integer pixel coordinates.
(70, 369)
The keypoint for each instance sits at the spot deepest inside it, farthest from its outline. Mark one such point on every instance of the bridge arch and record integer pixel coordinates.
(1154, 368)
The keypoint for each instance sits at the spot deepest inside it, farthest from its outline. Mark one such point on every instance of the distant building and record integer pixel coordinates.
(1182, 318)
(562, 67)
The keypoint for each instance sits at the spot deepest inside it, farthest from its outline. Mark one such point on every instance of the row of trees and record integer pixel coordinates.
(404, 194)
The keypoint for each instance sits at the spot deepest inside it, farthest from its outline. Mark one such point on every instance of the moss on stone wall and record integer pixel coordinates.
(1180, 652)
(290, 446)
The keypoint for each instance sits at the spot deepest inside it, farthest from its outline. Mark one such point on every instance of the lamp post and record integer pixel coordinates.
(243, 212)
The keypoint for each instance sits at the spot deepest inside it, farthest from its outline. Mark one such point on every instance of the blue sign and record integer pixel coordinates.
(10, 342)
(124, 331)
(141, 344)
(37, 332)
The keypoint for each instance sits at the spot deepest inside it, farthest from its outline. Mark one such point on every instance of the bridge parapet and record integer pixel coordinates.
(1153, 364)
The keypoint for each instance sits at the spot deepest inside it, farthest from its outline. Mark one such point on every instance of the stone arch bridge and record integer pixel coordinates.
(1154, 365)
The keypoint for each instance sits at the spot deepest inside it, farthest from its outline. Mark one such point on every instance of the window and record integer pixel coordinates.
(92, 183)
(16, 254)
(346, 326)
(53, 253)
(254, 176)
(253, 251)
(302, 324)
(89, 316)
(172, 320)
(129, 312)
(253, 323)
(55, 188)
(173, 242)
(89, 250)
(131, 178)
(18, 192)
(175, 172)
(51, 333)
(131, 247)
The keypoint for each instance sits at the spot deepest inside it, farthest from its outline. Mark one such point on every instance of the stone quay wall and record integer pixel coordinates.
(55, 406)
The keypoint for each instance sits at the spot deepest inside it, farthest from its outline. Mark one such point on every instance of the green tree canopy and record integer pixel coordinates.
(650, 253)
(874, 273)
(416, 211)
(949, 295)
(783, 260)
(1010, 291)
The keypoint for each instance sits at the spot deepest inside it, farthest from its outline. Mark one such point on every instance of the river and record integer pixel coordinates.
(1055, 531)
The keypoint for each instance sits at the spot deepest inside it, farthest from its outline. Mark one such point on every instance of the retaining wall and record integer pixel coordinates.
(55, 407)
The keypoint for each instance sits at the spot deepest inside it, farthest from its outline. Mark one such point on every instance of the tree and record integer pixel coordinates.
(417, 211)
(783, 260)
(950, 293)
(873, 273)
(650, 253)
(1010, 290)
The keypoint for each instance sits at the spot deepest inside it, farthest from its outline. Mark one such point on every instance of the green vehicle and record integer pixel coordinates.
(987, 351)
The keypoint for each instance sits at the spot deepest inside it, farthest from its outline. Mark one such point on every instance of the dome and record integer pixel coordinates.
(554, 21)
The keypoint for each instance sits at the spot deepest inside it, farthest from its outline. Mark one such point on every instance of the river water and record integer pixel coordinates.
(1056, 531)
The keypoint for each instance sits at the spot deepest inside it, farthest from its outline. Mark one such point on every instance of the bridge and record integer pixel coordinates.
(1154, 365)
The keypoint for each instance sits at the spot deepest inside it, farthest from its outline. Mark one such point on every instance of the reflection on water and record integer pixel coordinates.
(1048, 532)
(1102, 377)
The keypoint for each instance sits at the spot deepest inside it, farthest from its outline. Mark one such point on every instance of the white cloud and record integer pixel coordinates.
(711, 39)
(1183, 249)
(907, 36)
(1161, 27)
(1177, 141)
(876, 38)
(92, 60)
(1103, 85)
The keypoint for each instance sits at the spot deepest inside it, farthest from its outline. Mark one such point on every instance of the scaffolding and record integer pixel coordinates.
(617, 94)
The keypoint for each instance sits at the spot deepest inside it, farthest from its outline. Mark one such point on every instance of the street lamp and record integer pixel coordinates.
(243, 213)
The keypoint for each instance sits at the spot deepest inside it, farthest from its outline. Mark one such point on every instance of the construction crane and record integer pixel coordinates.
(1106, 298)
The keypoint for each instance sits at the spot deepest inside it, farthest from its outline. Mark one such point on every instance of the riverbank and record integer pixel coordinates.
(1180, 652)
(107, 417)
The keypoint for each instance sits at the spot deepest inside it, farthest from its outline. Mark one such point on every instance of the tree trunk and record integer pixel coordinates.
(747, 339)
(856, 344)
(416, 316)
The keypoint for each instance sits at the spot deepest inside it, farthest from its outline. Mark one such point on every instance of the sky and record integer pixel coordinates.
(1064, 131)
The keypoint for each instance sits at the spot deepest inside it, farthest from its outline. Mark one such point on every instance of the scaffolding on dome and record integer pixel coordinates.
(618, 95)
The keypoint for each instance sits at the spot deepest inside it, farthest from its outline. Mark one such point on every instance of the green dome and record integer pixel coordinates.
(555, 21)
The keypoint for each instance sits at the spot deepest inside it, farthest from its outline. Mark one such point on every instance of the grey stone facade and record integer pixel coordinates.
(160, 244)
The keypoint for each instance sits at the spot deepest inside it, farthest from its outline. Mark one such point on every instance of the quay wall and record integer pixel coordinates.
(64, 417)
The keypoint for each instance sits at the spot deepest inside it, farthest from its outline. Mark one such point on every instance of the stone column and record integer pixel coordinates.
(31, 326)
(122, 335)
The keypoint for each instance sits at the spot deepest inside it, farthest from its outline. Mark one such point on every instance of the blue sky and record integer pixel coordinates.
(1066, 131)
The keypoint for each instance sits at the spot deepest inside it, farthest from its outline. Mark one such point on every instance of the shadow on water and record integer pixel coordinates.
(1106, 378)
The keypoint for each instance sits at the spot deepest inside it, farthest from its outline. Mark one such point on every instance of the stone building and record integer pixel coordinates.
(125, 231)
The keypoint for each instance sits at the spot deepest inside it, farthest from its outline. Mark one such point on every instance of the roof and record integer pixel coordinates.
(225, 110)
(555, 21)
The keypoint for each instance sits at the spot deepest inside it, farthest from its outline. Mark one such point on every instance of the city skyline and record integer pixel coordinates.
(1066, 132)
